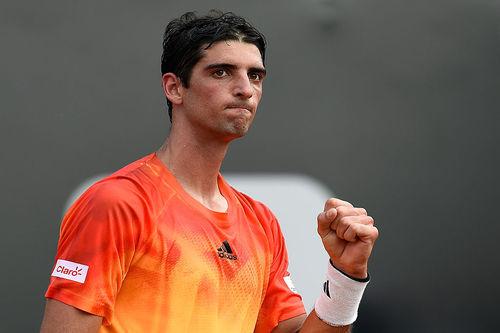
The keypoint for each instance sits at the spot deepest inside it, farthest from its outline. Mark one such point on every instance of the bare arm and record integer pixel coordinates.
(60, 318)
(310, 323)
(314, 324)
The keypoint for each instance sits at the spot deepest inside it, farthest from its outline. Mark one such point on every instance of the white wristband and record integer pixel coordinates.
(339, 301)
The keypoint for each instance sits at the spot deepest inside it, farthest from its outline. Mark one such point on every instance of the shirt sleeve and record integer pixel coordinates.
(99, 237)
(281, 301)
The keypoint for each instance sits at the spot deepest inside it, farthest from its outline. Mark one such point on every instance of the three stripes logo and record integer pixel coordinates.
(326, 288)
(225, 251)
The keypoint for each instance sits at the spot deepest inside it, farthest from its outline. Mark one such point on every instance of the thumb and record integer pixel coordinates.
(325, 220)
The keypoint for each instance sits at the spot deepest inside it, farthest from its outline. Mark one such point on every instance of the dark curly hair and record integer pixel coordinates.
(186, 37)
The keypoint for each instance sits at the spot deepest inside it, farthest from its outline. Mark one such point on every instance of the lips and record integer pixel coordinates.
(240, 106)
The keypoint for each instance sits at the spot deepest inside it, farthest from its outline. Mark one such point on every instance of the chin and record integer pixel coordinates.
(236, 132)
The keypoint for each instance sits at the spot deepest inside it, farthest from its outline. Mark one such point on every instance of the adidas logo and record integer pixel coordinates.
(225, 251)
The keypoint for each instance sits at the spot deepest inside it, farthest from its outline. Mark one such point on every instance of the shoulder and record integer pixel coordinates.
(111, 211)
(133, 187)
(114, 191)
(114, 201)
(128, 195)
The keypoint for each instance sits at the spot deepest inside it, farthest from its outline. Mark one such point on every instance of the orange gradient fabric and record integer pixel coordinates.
(159, 261)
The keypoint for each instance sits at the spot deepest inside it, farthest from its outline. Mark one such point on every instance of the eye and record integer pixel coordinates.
(255, 76)
(220, 73)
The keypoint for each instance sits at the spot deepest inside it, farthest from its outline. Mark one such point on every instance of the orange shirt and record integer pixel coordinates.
(136, 249)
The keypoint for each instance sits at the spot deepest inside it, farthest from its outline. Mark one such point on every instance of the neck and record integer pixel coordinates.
(195, 162)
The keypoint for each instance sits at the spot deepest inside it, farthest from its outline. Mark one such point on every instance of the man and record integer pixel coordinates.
(166, 245)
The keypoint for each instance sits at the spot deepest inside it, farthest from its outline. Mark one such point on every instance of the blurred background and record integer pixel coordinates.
(392, 105)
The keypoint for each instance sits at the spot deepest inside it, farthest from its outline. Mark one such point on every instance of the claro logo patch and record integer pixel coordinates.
(70, 270)
(289, 283)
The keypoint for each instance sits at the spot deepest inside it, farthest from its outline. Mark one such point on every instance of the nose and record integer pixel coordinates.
(243, 87)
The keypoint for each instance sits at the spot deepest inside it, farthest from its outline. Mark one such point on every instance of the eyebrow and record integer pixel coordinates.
(260, 70)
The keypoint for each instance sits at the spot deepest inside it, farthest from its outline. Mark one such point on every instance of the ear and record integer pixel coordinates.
(172, 87)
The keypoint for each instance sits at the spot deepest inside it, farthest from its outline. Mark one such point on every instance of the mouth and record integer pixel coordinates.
(240, 108)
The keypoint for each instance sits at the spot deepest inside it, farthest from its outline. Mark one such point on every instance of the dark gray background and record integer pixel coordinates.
(393, 104)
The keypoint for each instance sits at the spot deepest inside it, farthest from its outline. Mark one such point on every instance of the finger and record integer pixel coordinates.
(350, 211)
(325, 219)
(361, 211)
(343, 212)
(335, 202)
(362, 232)
(341, 225)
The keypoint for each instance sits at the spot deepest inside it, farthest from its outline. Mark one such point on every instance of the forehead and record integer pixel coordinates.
(232, 52)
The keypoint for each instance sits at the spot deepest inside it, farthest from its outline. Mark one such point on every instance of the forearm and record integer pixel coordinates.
(306, 324)
(316, 325)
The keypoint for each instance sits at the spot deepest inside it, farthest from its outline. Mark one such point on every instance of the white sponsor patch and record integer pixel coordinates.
(289, 283)
(70, 270)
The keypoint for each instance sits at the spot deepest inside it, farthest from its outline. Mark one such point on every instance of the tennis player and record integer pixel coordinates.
(165, 244)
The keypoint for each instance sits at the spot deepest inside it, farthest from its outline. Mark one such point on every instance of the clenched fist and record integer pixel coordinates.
(348, 234)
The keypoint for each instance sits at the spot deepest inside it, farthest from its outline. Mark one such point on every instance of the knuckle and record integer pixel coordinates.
(342, 210)
(336, 202)
(357, 227)
(330, 214)
(346, 220)
(351, 233)
(330, 202)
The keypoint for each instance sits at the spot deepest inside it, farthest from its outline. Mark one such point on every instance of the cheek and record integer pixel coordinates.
(210, 93)
(198, 96)
(258, 91)
(257, 95)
